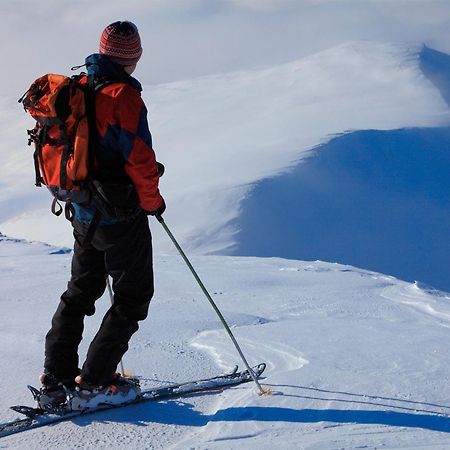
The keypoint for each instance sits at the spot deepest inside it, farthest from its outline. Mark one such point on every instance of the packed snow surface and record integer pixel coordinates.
(356, 359)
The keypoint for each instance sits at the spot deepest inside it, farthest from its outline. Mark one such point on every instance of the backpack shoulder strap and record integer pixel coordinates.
(93, 85)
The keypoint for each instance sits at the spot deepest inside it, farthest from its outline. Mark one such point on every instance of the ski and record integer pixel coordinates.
(36, 417)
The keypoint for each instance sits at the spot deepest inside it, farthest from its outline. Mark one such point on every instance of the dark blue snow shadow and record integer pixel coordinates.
(61, 251)
(182, 413)
(376, 400)
(436, 67)
(170, 412)
(362, 417)
(379, 200)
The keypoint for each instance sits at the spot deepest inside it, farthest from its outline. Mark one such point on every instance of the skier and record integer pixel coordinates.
(119, 247)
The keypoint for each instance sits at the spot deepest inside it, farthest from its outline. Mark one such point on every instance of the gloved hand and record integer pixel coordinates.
(157, 212)
(161, 169)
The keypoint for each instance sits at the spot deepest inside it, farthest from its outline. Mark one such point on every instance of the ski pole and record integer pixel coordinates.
(211, 301)
(108, 283)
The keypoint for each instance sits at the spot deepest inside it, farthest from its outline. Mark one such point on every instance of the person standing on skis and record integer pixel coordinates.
(119, 247)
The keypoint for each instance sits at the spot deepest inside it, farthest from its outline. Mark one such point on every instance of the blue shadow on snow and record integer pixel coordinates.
(182, 413)
(390, 418)
(378, 200)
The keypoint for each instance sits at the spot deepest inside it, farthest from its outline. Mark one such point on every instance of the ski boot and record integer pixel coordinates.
(87, 396)
(53, 392)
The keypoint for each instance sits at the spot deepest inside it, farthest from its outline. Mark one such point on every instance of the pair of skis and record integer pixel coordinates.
(36, 417)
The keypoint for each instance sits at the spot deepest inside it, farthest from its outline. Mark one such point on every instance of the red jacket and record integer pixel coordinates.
(121, 118)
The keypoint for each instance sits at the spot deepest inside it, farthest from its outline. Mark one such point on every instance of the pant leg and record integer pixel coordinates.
(87, 284)
(129, 262)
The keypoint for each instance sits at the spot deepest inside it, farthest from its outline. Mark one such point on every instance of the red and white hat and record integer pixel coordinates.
(121, 43)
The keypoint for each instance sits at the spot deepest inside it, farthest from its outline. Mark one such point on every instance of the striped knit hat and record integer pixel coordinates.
(121, 43)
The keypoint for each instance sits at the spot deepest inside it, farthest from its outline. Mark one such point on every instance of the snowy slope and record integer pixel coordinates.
(220, 134)
(356, 359)
(386, 194)
(378, 200)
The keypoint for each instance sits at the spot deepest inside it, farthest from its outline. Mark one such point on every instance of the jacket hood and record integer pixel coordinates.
(101, 66)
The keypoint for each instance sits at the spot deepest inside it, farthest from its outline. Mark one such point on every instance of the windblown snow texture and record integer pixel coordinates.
(373, 199)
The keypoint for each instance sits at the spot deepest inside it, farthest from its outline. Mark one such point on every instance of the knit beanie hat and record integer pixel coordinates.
(121, 43)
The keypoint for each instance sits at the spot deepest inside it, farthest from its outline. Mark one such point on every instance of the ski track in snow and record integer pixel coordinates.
(427, 300)
(278, 356)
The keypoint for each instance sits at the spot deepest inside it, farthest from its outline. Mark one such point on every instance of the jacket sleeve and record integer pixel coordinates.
(136, 147)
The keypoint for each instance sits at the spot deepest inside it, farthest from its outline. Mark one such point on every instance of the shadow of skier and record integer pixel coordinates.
(431, 422)
(182, 413)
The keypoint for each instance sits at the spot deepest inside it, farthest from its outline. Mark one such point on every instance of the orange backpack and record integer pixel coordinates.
(63, 159)
(64, 155)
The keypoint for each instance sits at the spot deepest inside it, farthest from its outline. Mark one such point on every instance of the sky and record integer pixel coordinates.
(183, 39)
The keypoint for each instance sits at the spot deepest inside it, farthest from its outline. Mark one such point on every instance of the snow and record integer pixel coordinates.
(355, 358)
(371, 186)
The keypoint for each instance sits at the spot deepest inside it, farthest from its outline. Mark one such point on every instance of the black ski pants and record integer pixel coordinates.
(123, 251)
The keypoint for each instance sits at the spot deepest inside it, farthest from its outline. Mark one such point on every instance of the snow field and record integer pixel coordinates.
(351, 358)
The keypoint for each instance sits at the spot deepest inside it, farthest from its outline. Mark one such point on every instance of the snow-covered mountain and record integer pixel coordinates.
(218, 135)
(371, 198)
(355, 136)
